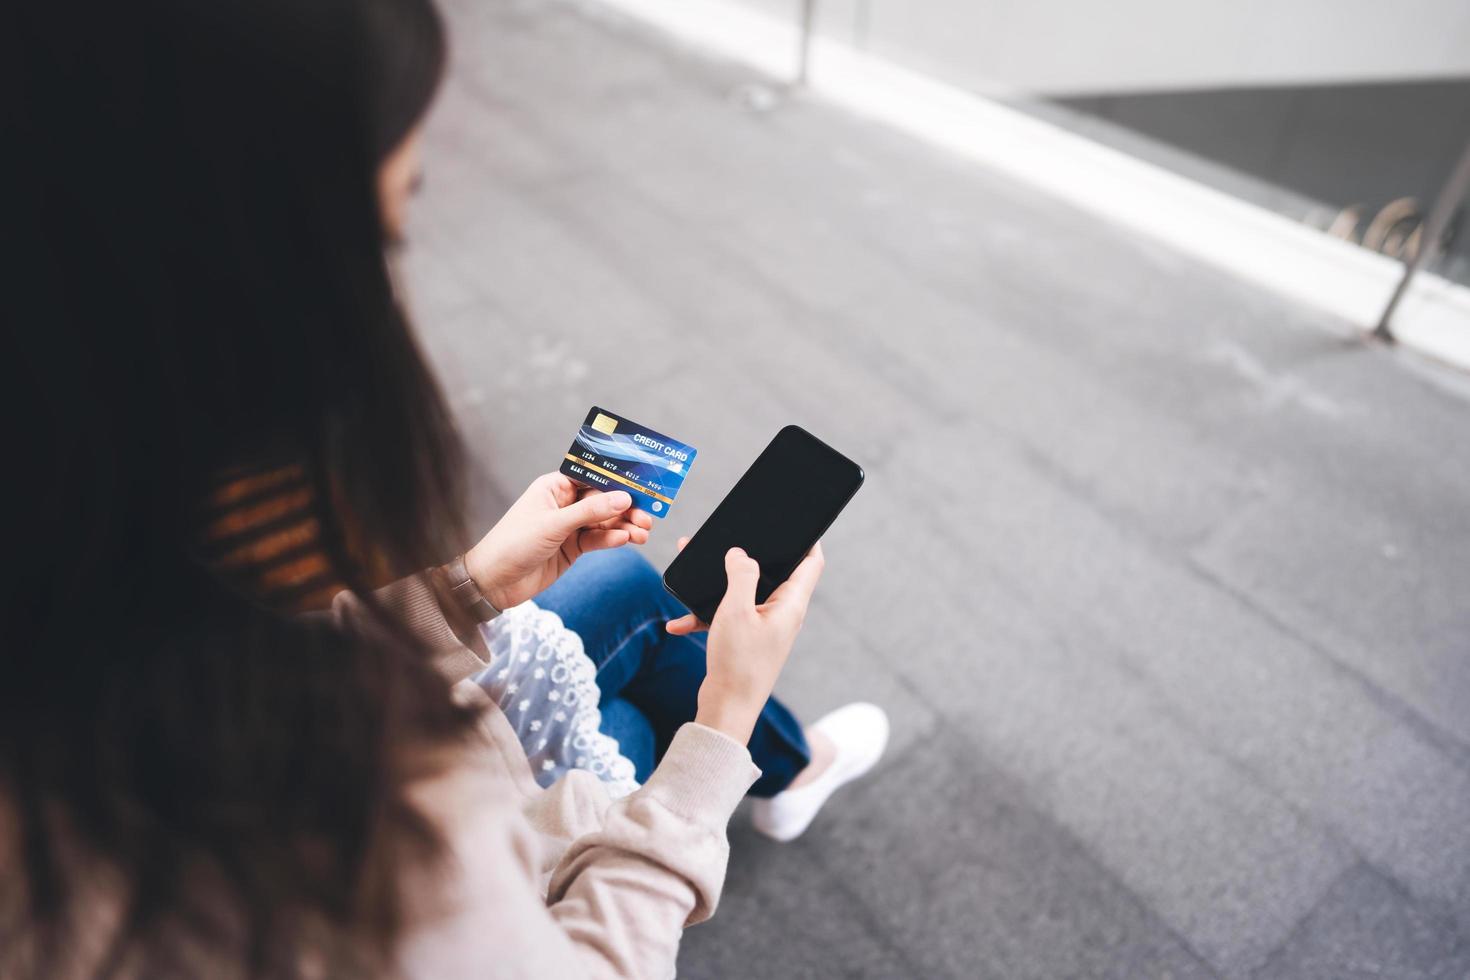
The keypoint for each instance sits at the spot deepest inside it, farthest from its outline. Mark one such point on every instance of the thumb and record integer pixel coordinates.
(591, 509)
(684, 625)
(742, 573)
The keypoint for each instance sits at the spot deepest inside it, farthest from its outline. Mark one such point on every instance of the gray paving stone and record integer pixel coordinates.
(727, 314)
(1222, 859)
(768, 925)
(1367, 928)
(1361, 581)
(1320, 738)
(832, 666)
(989, 888)
(472, 130)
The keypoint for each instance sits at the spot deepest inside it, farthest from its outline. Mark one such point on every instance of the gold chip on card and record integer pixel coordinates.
(604, 423)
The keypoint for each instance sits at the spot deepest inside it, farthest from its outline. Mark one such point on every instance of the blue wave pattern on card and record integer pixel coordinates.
(611, 452)
(622, 447)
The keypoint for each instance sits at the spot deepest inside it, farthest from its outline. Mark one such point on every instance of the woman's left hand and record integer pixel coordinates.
(551, 526)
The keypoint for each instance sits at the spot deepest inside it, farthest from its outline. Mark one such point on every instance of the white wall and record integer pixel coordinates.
(1077, 47)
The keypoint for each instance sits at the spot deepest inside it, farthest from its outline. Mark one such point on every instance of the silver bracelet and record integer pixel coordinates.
(467, 593)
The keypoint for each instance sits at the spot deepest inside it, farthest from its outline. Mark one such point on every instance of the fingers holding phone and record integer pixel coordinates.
(749, 643)
(776, 512)
(688, 623)
(805, 576)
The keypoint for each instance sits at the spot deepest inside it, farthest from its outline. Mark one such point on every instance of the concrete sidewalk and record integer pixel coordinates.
(1165, 583)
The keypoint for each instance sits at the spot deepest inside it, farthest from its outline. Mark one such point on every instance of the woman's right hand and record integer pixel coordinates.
(749, 643)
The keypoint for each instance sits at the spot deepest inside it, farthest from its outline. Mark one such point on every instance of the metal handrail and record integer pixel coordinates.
(1454, 191)
(804, 39)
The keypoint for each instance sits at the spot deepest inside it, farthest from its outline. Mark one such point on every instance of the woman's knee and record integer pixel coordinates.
(608, 587)
(618, 569)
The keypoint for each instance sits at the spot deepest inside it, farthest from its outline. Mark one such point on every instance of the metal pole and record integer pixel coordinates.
(1449, 198)
(804, 42)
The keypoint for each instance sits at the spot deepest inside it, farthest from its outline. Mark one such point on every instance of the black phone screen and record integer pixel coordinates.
(780, 508)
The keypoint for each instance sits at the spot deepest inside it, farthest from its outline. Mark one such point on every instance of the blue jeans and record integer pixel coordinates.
(616, 602)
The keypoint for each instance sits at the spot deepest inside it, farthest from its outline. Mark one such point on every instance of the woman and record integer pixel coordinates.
(226, 419)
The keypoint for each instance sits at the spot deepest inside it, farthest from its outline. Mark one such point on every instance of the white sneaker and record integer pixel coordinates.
(860, 733)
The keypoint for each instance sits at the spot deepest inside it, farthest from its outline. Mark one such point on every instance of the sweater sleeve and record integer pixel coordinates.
(625, 893)
(620, 896)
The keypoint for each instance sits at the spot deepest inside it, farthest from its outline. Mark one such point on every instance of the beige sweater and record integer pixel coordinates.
(561, 883)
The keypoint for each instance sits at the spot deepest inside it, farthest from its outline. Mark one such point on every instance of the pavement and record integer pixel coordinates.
(1164, 581)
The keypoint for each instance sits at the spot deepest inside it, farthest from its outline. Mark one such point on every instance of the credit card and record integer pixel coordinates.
(613, 453)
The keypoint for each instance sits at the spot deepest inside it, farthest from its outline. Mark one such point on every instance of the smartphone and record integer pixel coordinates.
(780, 508)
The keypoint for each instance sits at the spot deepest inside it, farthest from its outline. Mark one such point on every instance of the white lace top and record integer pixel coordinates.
(544, 682)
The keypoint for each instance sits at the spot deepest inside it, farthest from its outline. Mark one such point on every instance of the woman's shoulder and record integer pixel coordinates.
(487, 768)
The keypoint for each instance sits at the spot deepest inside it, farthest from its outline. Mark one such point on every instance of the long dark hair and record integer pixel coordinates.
(201, 287)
